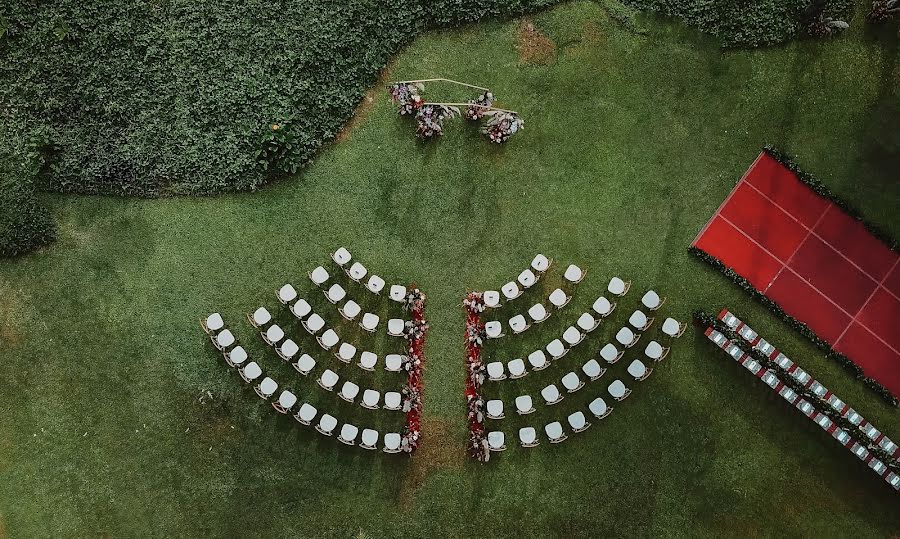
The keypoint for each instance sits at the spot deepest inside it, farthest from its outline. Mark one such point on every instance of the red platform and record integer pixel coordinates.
(818, 263)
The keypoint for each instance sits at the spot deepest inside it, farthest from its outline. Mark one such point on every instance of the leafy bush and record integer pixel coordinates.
(176, 97)
(743, 23)
(24, 224)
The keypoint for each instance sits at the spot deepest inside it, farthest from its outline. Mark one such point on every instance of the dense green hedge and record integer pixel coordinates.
(744, 23)
(173, 97)
(24, 224)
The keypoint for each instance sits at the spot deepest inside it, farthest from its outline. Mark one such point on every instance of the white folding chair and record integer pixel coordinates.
(318, 276)
(524, 404)
(558, 298)
(587, 322)
(341, 256)
(593, 370)
(673, 328)
(527, 278)
(538, 313)
(555, 432)
(397, 293)
(395, 327)
(336, 293)
(639, 320)
(348, 434)
(357, 271)
(495, 409)
(495, 371)
(266, 388)
(556, 349)
(346, 352)
(652, 301)
(517, 324)
(285, 402)
(603, 307)
(251, 372)
(496, 441)
(491, 298)
(571, 382)
(273, 335)
(260, 317)
(367, 361)
(528, 437)
(638, 370)
(618, 287)
(287, 350)
(392, 400)
(350, 310)
(287, 294)
(370, 399)
(655, 351)
(610, 354)
(574, 274)
(516, 368)
(392, 442)
(328, 380)
(599, 408)
(627, 338)
(313, 324)
(578, 422)
(368, 439)
(212, 324)
(375, 284)
(328, 339)
(538, 360)
(540, 263)
(572, 336)
(224, 339)
(348, 391)
(305, 364)
(326, 425)
(551, 394)
(511, 290)
(236, 357)
(301, 309)
(369, 322)
(306, 413)
(618, 390)
(393, 362)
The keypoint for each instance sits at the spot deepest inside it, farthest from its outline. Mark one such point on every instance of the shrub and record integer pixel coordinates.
(24, 224)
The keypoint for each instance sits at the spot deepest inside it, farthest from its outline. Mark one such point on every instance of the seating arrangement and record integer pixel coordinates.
(537, 313)
(357, 272)
(527, 278)
(825, 398)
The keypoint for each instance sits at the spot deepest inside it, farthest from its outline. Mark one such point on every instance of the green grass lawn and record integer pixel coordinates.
(634, 135)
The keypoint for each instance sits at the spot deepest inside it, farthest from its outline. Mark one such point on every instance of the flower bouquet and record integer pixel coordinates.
(477, 448)
(477, 107)
(430, 120)
(415, 300)
(414, 330)
(474, 302)
(407, 97)
(502, 125)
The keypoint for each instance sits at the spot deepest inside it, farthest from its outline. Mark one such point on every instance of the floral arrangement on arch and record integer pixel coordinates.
(479, 106)
(407, 97)
(502, 125)
(430, 120)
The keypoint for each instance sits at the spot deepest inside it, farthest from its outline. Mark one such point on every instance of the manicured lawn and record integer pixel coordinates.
(634, 135)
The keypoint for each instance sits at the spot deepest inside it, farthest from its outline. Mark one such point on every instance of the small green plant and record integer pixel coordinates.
(280, 149)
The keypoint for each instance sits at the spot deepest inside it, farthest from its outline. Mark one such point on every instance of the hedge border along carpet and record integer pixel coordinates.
(818, 263)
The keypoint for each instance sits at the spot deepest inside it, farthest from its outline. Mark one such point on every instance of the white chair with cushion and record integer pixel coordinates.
(260, 317)
(266, 388)
(393, 362)
(341, 256)
(336, 293)
(368, 439)
(618, 287)
(538, 360)
(328, 339)
(673, 328)
(655, 351)
(538, 313)
(556, 349)
(367, 361)
(511, 290)
(593, 370)
(578, 422)
(357, 271)
(313, 324)
(391, 442)
(572, 336)
(639, 321)
(496, 441)
(348, 434)
(370, 399)
(599, 408)
(318, 276)
(540, 263)
(587, 322)
(495, 371)
(603, 307)
(285, 402)
(287, 294)
(495, 409)
(516, 368)
(610, 354)
(370, 322)
(224, 339)
(236, 357)
(555, 432)
(328, 380)
(273, 335)
(397, 293)
(213, 324)
(301, 309)
(306, 413)
(527, 278)
(491, 299)
(524, 404)
(627, 338)
(559, 299)
(375, 284)
(528, 437)
(652, 301)
(326, 425)
(551, 394)
(493, 329)
(287, 350)
(638, 370)
(350, 310)
(392, 400)
(618, 390)
(517, 324)
(395, 327)
(346, 352)
(348, 391)
(305, 364)
(571, 382)
(574, 274)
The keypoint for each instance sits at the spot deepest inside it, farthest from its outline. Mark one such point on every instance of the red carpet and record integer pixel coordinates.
(821, 265)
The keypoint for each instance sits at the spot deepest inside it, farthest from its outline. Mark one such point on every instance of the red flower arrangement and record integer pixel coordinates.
(502, 125)
(478, 106)
(407, 97)
(414, 333)
(477, 447)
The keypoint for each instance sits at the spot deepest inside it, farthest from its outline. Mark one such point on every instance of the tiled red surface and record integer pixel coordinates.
(876, 360)
(754, 215)
(882, 315)
(809, 306)
(726, 243)
(842, 282)
(783, 187)
(851, 238)
(832, 274)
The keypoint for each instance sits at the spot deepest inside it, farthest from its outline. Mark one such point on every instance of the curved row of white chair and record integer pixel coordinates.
(302, 310)
(554, 430)
(357, 272)
(524, 404)
(537, 313)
